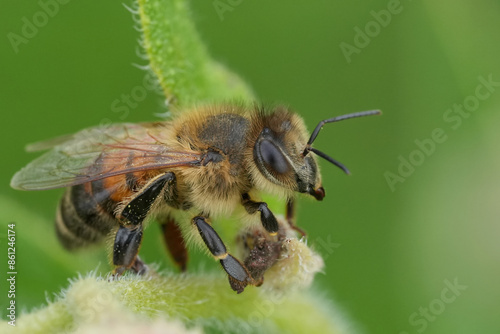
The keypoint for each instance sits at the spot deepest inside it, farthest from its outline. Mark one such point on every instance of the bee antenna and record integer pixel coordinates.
(318, 127)
(330, 159)
(332, 120)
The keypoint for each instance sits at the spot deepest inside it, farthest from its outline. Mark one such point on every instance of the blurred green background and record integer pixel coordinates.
(396, 243)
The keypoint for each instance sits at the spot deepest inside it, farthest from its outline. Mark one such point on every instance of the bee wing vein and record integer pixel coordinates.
(99, 153)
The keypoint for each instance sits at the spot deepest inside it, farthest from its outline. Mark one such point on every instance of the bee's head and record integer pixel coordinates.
(282, 153)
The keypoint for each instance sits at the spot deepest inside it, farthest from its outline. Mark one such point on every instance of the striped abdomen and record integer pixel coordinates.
(86, 213)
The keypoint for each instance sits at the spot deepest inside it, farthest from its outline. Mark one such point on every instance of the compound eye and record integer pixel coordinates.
(273, 158)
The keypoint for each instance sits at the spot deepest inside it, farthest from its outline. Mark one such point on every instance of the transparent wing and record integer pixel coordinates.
(97, 153)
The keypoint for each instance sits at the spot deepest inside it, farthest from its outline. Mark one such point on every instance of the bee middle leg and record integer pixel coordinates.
(266, 216)
(175, 242)
(238, 274)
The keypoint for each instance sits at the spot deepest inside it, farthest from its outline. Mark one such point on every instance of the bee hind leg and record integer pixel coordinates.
(125, 250)
(139, 267)
(238, 274)
(140, 205)
(175, 243)
(128, 238)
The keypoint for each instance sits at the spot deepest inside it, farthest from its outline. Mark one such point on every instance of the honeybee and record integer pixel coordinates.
(203, 163)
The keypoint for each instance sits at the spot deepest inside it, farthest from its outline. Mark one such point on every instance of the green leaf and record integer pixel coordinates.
(133, 304)
(180, 60)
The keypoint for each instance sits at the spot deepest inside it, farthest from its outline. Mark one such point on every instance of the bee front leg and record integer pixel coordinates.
(238, 274)
(266, 216)
(290, 217)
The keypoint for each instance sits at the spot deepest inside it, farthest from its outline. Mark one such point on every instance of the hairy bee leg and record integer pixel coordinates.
(126, 247)
(175, 243)
(138, 208)
(266, 216)
(139, 267)
(290, 217)
(238, 274)
(128, 239)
